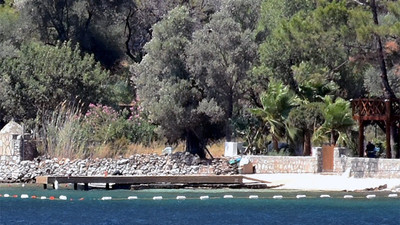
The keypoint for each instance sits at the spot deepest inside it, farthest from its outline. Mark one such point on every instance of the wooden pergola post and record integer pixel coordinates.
(385, 112)
(361, 138)
(388, 122)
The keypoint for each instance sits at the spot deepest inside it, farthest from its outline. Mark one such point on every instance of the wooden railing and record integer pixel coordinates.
(376, 109)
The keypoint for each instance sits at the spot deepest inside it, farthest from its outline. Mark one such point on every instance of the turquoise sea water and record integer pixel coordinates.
(215, 210)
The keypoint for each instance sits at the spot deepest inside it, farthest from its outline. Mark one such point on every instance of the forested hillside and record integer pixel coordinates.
(84, 74)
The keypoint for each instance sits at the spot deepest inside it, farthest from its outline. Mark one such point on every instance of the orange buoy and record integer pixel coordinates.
(81, 199)
(51, 198)
(15, 196)
(1, 195)
(33, 196)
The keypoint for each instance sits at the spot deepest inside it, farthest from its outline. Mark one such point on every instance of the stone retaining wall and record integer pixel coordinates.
(284, 164)
(369, 167)
(357, 167)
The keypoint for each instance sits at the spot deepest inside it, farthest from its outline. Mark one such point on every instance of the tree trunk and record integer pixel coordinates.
(194, 146)
(307, 143)
(394, 141)
(333, 139)
(275, 143)
(396, 134)
(228, 128)
(382, 64)
(299, 145)
(294, 85)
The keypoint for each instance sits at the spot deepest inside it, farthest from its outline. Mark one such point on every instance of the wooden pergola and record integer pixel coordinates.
(383, 112)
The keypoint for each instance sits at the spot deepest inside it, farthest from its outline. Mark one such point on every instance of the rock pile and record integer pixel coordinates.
(179, 163)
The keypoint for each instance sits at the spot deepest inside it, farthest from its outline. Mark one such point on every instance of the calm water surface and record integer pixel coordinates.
(216, 210)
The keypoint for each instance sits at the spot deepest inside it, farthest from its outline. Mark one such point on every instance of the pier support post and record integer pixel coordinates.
(107, 186)
(75, 186)
(86, 188)
(45, 186)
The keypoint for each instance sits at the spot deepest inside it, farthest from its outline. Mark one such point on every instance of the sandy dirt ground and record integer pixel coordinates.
(318, 182)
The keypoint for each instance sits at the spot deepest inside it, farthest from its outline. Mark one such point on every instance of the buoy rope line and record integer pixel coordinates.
(203, 197)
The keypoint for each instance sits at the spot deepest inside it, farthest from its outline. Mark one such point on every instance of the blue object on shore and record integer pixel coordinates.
(234, 161)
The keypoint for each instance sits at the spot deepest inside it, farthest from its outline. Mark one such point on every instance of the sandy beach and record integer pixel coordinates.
(318, 182)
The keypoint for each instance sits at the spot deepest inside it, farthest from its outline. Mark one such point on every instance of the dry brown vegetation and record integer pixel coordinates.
(216, 149)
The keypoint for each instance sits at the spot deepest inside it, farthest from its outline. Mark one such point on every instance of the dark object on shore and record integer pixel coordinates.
(370, 150)
(117, 172)
(382, 187)
(281, 146)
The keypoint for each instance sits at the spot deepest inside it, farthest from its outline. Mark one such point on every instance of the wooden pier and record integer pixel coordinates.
(182, 180)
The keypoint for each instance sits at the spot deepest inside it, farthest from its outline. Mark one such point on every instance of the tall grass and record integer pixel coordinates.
(62, 134)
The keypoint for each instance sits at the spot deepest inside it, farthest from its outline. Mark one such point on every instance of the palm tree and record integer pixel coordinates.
(276, 103)
(338, 121)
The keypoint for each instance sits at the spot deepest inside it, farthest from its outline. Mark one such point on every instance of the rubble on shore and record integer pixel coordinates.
(179, 163)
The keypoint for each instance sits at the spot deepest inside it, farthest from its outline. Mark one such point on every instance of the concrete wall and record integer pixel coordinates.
(343, 162)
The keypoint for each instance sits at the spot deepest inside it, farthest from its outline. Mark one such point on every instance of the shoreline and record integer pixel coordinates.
(300, 182)
(320, 182)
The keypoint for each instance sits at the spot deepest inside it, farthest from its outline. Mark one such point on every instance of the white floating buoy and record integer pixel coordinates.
(132, 197)
(63, 197)
(157, 198)
(228, 196)
(277, 197)
(204, 197)
(301, 196)
(106, 198)
(253, 196)
(325, 196)
(370, 196)
(24, 196)
(43, 197)
(180, 197)
(56, 184)
(348, 196)
(6, 195)
(23, 185)
(392, 195)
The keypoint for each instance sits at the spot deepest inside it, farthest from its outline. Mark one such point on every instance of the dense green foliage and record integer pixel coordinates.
(276, 103)
(41, 77)
(337, 121)
(256, 70)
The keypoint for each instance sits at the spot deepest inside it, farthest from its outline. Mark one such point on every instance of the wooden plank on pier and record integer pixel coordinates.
(184, 179)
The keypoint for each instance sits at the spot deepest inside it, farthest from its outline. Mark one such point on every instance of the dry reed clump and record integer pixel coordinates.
(61, 134)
